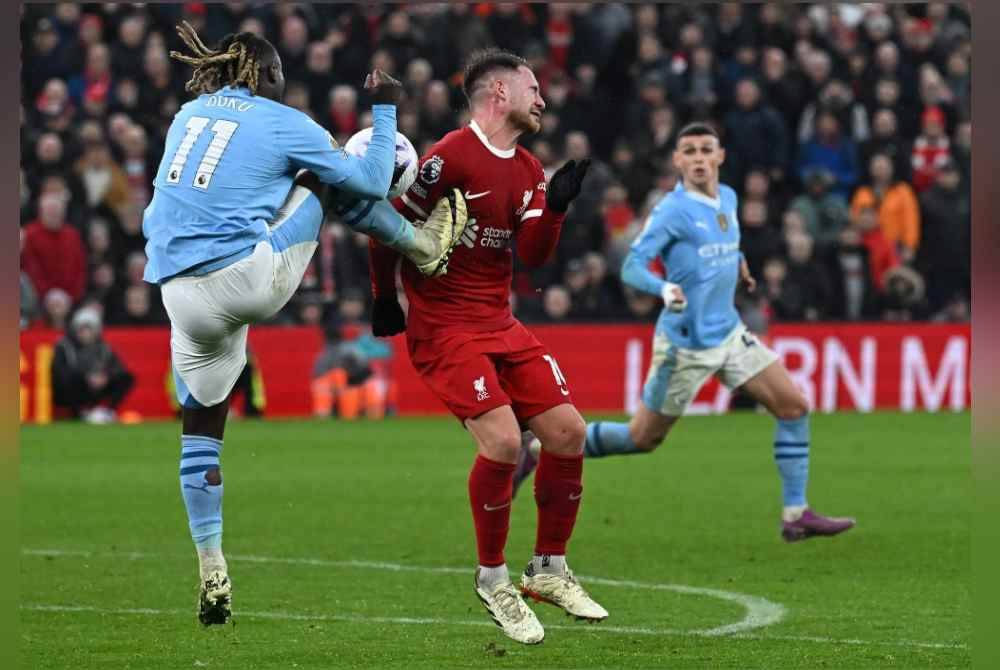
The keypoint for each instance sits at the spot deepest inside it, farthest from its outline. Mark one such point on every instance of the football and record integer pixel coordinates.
(406, 159)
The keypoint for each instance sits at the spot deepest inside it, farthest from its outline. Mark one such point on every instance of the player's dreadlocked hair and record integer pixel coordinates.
(236, 61)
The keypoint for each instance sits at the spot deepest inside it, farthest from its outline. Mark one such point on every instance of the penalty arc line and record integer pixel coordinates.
(760, 611)
(347, 618)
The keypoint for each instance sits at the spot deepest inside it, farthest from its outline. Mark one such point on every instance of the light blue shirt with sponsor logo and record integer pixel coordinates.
(698, 240)
(229, 162)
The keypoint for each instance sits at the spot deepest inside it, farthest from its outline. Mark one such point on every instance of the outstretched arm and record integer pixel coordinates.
(309, 146)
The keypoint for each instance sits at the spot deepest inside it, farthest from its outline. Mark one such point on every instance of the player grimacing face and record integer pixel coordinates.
(525, 100)
(698, 157)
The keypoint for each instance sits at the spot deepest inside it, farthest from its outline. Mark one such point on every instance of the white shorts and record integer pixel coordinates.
(676, 374)
(210, 314)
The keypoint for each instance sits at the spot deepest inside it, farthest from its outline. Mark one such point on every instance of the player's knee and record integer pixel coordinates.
(569, 438)
(794, 408)
(648, 438)
(503, 448)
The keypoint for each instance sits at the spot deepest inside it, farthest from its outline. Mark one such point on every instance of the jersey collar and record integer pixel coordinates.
(714, 203)
(499, 153)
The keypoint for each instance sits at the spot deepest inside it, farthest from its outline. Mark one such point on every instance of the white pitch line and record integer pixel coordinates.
(601, 628)
(760, 612)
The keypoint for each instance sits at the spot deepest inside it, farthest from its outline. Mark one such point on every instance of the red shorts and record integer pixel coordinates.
(473, 373)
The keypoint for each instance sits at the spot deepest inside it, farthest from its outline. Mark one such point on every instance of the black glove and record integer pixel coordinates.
(387, 317)
(384, 89)
(565, 185)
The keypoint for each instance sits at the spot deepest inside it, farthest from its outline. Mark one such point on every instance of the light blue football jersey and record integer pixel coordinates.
(228, 164)
(698, 240)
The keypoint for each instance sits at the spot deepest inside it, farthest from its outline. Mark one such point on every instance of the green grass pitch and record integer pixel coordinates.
(351, 546)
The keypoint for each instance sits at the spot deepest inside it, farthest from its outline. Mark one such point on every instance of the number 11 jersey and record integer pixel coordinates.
(229, 161)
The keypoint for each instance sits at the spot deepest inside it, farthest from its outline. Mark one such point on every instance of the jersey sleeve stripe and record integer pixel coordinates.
(414, 206)
(353, 221)
(531, 213)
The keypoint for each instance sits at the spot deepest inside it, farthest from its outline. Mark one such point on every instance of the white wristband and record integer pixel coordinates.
(672, 303)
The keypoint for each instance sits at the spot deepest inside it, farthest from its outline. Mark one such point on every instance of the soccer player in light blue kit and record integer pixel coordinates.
(695, 232)
(233, 222)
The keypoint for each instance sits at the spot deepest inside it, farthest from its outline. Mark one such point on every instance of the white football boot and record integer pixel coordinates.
(563, 591)
(510, 612)
(215, 598)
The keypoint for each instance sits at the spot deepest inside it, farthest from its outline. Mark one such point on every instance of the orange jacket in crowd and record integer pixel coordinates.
(898, 213)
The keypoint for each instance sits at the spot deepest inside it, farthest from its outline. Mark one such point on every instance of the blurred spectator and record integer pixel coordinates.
(292, 47)
(898, 211)
(758, 240)
(784, 88)
(838, 99)
(806, 290)
(53, 255)
(944, 256)
(46, 59)
(957, 310)
(904, 294)
(347, 379)
(831, 152)
(886, 140)
(882, 254)
(825, 213)
(88, 378)
(702, 83)
(398, 38)
(29, 297)
(56, 305)
(618, 214)
(139, 166)
(127, 51)
(756, 135)
(319, 75)
(140, 306)
(642, 306)
(104, 181)
(852, 295)
(556, 304)
(95, 81)
(437, 119)
(962, 152)
(931, 149)
(343, 113)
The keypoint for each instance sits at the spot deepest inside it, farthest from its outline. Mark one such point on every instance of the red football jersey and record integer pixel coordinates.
(505, 194)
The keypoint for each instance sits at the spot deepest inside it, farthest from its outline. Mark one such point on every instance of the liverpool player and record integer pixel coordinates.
(463, 340)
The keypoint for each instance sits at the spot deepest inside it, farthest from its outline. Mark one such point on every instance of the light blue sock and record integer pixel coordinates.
(605, 438)
(202, 500)
(377, 219)
(791, 453)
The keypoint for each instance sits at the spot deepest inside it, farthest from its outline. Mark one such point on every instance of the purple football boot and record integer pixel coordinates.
(527, 459)
(811, 524)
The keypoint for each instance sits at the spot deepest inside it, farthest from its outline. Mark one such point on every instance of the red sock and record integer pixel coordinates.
(491, 486)
(558, 488)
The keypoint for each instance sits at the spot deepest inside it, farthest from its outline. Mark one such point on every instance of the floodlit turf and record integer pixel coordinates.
(351, 546)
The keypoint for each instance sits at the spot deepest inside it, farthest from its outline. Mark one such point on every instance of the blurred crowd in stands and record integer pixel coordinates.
(847, 129)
